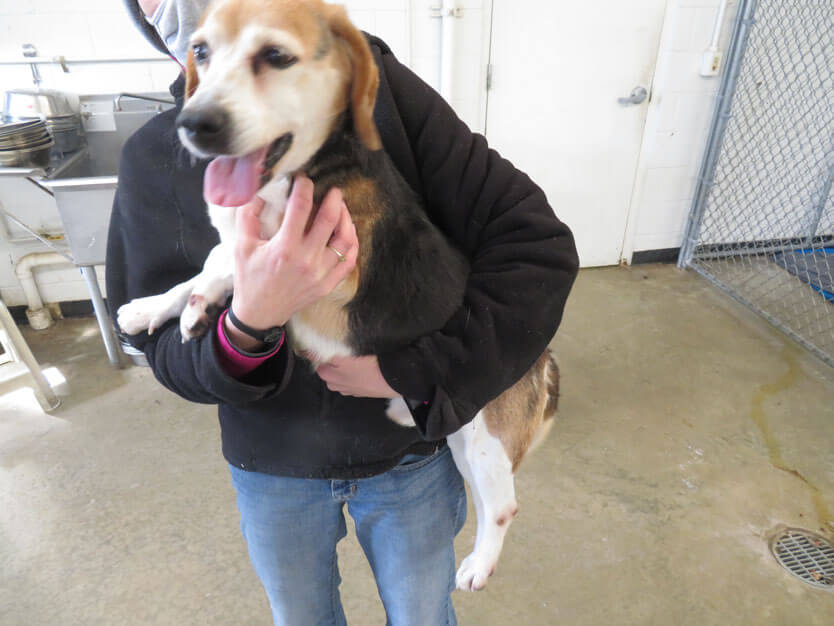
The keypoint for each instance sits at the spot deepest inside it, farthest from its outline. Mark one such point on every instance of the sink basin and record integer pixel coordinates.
(84, 193)
(85, 185)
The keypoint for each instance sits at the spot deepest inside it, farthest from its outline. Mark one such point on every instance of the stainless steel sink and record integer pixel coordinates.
(84, 192)
(85, 185)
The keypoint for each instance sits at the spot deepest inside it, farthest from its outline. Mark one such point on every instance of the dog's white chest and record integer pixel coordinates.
(317, 347)
(275, 195)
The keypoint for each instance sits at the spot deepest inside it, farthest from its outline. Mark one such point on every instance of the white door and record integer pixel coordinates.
(558, 68)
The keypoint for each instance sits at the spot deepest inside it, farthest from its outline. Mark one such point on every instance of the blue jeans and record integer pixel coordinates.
(405, 519)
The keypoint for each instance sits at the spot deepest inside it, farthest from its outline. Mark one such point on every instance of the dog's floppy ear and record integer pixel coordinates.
(364, 76)
(191, 78)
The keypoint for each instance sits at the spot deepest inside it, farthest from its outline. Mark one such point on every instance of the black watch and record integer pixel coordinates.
(269, 335)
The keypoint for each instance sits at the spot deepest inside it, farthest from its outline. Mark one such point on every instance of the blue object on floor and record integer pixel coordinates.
(814, 266)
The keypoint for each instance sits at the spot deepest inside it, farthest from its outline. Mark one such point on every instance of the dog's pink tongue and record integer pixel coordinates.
(233, 181)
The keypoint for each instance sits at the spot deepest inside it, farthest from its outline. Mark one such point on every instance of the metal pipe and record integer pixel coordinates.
(721, 116)
(85, 61)
(436, 14)
(38, 315)
(719, 22)
(450, 12)
(102, 316)
(117, 101)
(34, 234)
(820, 209)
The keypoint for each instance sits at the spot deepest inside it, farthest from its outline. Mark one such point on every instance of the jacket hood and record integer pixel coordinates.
(138, 17)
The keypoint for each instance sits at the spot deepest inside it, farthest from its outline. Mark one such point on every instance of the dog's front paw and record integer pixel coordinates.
(143, 314)
(474, 572)
(197, 317)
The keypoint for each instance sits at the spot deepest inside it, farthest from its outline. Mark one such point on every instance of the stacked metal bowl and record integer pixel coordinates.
(55, 107)
(25, 144)
(66, 130)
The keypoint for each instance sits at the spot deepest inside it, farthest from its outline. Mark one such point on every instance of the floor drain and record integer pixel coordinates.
(806, 555)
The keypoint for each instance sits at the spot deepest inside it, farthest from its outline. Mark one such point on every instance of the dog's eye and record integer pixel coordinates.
(201, 52)
(277, 58)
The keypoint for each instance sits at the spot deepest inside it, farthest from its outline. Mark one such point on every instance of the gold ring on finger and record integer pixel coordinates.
(341, 256)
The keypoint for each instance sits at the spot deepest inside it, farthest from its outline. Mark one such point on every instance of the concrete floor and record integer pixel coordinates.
(650, 503)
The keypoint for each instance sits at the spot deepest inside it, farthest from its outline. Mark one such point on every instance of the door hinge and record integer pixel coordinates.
(489, 77)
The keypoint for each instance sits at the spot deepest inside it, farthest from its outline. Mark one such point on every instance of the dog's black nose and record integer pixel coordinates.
(206, 127)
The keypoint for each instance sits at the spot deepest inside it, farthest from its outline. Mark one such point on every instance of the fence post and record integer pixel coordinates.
(724, 102)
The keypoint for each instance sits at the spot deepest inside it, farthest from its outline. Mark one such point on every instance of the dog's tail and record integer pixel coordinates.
(551, 378)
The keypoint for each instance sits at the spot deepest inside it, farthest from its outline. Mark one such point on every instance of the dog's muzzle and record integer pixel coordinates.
(206, 128)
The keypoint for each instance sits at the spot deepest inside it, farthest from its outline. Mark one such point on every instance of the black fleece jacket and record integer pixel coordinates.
(281, 418)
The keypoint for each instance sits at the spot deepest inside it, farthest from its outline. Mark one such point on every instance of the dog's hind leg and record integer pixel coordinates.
(488, 470)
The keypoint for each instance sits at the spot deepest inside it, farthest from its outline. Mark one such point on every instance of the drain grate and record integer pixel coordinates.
(806, 555)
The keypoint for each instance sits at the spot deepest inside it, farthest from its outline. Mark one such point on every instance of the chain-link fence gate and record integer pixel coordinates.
(762, 222)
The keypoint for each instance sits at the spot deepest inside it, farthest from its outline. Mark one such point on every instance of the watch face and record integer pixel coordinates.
(273, 335)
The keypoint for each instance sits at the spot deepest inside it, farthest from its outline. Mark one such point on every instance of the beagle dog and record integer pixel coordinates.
(279, 88)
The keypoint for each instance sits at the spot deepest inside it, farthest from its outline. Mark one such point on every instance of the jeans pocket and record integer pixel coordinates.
(413, 462)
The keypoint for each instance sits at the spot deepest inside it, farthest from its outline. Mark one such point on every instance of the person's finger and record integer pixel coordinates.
(343, 239)
(309, 355)
(299, 207)
(337, 387)
(337, 361)
(248, 224)
(341, 270)
(326, 372)
(327, 219)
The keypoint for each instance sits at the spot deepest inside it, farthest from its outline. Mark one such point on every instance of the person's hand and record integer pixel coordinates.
(356, 376)
(278, 277)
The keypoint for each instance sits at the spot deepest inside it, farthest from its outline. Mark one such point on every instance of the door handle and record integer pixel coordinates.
(637, 96)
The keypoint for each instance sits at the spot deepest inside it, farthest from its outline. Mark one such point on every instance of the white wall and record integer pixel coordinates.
(677, 125)
(94, 29)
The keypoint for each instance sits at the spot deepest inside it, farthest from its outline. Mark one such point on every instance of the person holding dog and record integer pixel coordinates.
(302, 444)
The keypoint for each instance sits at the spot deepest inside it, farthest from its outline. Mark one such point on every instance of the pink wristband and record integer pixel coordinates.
(234, 362)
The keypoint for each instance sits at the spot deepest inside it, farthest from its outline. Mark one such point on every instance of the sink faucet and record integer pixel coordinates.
(117, 101)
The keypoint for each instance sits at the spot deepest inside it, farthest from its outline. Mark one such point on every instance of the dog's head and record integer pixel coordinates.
(266, 83)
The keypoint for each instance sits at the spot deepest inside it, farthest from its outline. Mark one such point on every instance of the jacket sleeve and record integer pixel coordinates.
(523, 264)
(151, 247)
